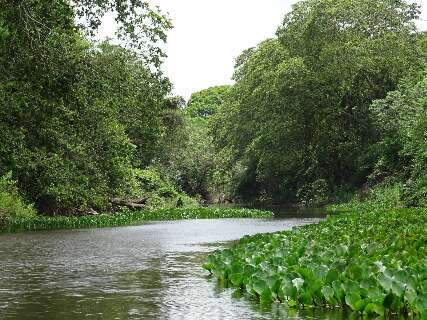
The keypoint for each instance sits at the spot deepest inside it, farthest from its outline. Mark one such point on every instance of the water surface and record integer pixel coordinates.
(152, 271)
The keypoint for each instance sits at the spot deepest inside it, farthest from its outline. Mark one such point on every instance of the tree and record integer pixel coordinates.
(401, 152)
(187, 154)
(298, 122)
(205, 103)
(77, 118)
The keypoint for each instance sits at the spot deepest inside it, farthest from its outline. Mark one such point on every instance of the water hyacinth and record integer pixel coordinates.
(373, 263)
(9, 224)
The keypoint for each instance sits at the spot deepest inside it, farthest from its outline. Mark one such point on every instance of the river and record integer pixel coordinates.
(150, 271)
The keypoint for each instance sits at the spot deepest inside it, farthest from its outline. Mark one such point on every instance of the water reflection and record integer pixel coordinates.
(143, 272)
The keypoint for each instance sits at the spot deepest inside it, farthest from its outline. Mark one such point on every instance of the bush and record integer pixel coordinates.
(402, 150)
(11, 203)
(160, 192)
(383, 196)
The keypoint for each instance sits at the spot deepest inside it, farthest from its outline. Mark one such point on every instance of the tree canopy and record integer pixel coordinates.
(298, 120)
(77, 117)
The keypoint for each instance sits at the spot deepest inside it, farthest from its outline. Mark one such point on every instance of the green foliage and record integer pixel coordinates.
(76, 118)
(402, 149)
(159, 192)
(17, 224)
(187, 156)
(297, 125)
(206, 102)
(382, 196)
(372, 263)
(11, 203)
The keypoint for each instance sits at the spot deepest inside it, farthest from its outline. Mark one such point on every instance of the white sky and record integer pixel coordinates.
(209, 34)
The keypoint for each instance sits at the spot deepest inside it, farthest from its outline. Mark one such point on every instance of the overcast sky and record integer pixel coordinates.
(209, 34)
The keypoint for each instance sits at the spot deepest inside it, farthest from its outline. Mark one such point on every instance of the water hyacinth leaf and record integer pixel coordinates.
(260, 286)
(342, 250)
(375, 294)
(355, 272)
(374, 309)
(368, 283)
(208, 266)
(273, 283)
(421, 302)
(332, 275)
(236, 279)
(350, 286)
(306, 297)
(292, 303)
(266, 296)
(385, 281)
(288, 289)
(339, 292)
(354, 301)
(298, 283)
(329, 295)
(380, 266)
(398, 288)
(410, 295)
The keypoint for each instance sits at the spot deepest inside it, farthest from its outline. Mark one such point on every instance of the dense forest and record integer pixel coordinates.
(335, 104)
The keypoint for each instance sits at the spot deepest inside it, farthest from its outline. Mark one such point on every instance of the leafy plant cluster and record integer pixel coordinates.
(187, 156)
(383, 196)
(372, 263)
(79, 118)
(20, 223)
(11, 202)
(160, 192)
(402, 148)
(336, 101)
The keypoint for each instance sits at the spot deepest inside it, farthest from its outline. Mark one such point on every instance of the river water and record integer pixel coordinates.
(151, 271)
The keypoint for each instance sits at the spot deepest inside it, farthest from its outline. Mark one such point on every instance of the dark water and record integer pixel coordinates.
(150, 271)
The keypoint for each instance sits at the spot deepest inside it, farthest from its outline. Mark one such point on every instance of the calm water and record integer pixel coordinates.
(150, 271)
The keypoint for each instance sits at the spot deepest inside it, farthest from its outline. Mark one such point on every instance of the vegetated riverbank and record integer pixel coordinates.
(372, 262)
(39, 222)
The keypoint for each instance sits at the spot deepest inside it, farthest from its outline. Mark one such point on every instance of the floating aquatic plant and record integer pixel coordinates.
(373, 263)
(10, 224)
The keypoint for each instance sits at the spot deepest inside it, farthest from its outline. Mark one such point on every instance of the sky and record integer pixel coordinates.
(209, 34)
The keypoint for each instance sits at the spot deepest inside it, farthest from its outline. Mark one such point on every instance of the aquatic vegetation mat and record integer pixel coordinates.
(12, 224)
(374, 263)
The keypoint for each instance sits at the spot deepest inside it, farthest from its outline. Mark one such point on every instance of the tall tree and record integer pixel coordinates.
(76, 117)
(298, 118)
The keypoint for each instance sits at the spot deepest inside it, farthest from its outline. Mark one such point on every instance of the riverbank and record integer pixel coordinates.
(39, 222)
(372, 262)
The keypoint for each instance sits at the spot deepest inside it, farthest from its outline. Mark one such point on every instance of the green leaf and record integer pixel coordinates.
(329, 295)
(374, 309)
(236, 279)
(332, 275)
(353, 300)
(298, 283)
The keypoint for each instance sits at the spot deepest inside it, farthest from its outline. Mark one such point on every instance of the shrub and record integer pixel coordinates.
(11, 203)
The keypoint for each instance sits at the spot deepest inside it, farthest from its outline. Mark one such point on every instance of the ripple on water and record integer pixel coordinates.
(152, 271)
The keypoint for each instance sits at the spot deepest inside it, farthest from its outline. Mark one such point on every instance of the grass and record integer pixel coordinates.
(17, 224)
(373, 263)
